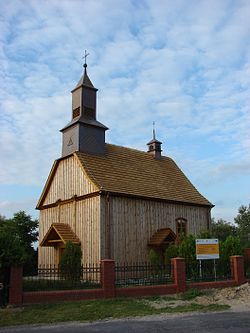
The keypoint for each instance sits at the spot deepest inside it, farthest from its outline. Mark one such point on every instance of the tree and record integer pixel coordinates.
(26, 229)
(222, 229)
(187, 248)
(230, 247)
(17, 236)
(12, 251)
(2, 218)
(205, 234)
(70, 263)
(243, 222)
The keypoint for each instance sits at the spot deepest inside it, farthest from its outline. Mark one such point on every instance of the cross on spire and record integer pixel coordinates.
(85, 58)
(153, 130)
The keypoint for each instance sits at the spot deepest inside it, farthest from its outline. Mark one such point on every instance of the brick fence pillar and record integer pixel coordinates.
(108, 277)
(237, 269)
(16, 285)
(179, 274)
(247, 255)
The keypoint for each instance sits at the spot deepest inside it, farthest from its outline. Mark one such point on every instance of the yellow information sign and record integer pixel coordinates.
(207, 249)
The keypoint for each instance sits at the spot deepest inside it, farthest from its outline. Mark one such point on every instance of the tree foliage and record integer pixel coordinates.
(221, 229)
(187, 248)
(70, 263)
(12, 251)
(242, 221)
(154, 257)
(16, 238)
(26, 228)
(171, 252)
(230, 247)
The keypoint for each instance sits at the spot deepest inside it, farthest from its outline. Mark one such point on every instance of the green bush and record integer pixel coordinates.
(187, 248)
(70, 264)
(154, 257)
(230, 247)
(171, 252)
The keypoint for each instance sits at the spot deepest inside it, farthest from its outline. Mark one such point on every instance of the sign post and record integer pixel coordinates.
(207, 249)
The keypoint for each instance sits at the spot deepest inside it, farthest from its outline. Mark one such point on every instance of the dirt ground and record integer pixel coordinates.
(238, 298)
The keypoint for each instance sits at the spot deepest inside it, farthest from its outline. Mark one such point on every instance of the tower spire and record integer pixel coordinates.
(154, 146)
(84, 133)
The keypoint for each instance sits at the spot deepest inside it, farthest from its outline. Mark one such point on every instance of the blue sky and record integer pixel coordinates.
(183, 64)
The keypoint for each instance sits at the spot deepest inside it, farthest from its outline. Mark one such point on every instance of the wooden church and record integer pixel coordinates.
(115, 201)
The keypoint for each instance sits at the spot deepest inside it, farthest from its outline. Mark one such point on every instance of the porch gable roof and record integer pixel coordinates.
(59, 233)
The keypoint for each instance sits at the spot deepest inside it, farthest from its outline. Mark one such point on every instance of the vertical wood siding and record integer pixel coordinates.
(69, 180)
(88, 228)
(133, 222)
(46, 255)
(83, 218)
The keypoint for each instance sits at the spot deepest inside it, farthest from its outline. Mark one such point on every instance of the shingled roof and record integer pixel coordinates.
(136, 173)
(162, 236)
(59, 233)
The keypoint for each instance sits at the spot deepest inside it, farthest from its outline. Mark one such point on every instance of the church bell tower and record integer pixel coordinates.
(84, 133)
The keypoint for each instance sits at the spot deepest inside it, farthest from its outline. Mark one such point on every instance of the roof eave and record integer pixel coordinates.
(123, 194)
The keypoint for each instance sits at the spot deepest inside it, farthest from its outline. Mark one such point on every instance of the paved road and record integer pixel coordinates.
(229, 322)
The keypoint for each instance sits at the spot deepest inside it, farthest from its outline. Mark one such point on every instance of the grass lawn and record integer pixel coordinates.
(93, 310)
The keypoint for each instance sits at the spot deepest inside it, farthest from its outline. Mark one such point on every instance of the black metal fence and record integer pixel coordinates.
(53, 278)
(136, 274)
(208, 270)
(142, 274)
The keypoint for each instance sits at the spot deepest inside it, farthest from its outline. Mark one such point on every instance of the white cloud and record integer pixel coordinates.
(183, 64)
(9, 207)
(31, 138)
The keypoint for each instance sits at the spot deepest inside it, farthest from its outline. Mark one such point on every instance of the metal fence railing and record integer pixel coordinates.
(208, 270)
(142, 274)
(135, 274)
(54, 278)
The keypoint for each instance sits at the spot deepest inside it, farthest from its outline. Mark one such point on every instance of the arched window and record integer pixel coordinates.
(181, 226)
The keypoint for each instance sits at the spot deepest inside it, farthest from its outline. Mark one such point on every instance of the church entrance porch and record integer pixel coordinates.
(57, 236)
(161, 240)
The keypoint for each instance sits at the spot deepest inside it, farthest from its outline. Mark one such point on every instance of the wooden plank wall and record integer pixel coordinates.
(69, 180)
(46, 255)
(133, 222)
(88, 228)
(83, 216)
(84, 219)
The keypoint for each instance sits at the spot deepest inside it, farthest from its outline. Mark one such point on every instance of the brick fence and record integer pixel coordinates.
(108, 289)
